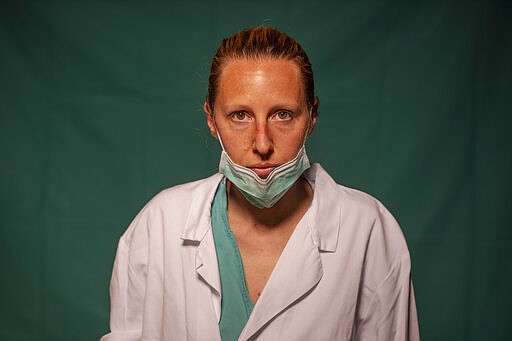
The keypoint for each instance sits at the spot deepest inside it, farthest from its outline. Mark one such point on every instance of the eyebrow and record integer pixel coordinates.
(295, 107)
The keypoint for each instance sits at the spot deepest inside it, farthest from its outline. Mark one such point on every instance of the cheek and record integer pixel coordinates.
(287, 145)
(290, 136)
(236, 143)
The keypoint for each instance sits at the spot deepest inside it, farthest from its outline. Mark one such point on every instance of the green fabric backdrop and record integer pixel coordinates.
(101, 107)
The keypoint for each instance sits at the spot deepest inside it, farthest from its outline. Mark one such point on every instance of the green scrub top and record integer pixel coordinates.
(236, 305)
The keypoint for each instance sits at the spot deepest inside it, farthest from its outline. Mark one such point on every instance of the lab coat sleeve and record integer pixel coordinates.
(127, 285)
(391, 312)
(388, 308)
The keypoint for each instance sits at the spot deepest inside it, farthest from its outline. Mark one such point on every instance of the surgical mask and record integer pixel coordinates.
(264, 193)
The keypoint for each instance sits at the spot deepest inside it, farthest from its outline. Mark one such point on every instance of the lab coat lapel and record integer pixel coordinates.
(206, 263)
(295, 275)
(197, 232)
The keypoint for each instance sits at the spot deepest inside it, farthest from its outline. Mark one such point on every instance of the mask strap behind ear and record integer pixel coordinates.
(220, 140)
(217, 130)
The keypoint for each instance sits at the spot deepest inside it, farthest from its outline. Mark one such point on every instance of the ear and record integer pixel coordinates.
(209, 119)
(314, 114)
(311, 124)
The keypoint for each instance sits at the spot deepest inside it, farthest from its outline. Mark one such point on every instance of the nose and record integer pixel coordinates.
(263, 144)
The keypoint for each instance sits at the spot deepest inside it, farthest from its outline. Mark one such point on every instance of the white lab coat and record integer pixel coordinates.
(343, 275)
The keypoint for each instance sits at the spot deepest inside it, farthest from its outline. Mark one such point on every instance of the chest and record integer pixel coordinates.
(301, 296)
(260, 253)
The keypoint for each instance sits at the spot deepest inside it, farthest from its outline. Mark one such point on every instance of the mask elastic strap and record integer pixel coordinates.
(218, 135)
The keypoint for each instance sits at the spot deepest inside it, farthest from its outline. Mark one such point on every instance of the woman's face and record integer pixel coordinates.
(260, 113)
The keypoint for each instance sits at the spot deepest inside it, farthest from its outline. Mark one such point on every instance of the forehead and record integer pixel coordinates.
(262, 77)
(246, 65)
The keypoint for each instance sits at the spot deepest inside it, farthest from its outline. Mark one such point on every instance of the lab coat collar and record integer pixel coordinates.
(325, 208)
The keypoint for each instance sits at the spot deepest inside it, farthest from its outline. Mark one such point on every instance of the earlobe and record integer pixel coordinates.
(209, 119)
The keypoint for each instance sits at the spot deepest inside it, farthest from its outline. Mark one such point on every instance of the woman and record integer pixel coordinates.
(270, 248)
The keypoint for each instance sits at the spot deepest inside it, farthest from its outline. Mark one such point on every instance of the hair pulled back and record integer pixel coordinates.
(260, 43)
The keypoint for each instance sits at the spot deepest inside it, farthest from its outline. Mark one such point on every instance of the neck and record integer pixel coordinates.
(296, 200)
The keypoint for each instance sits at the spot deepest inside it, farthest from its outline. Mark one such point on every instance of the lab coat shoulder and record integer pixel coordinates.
(366, 215)
(169, 212)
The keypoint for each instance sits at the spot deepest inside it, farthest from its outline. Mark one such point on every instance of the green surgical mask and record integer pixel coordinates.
(264, 193)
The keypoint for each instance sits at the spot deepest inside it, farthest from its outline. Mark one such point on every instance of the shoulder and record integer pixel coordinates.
(355, 199)
(366, 212)
(171, 207)
(184, 192)
(363, 219)
(368, 232)
(180, 197)
(363, 205)
(352, 202)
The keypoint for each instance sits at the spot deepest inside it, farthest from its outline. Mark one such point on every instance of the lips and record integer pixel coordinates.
(262, 171)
